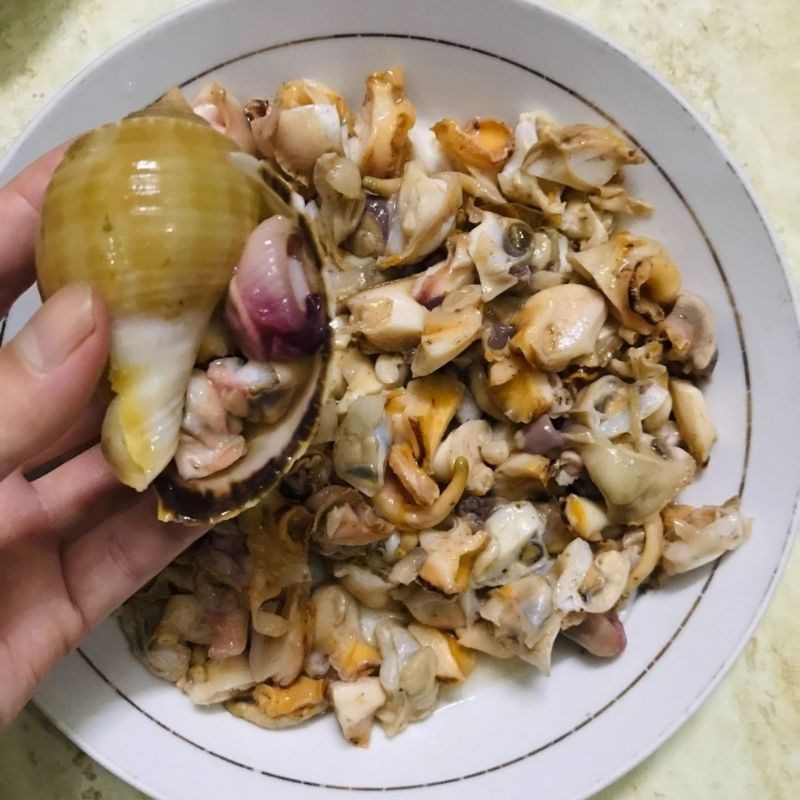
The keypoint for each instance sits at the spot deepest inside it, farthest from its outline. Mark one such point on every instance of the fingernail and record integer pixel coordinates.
(60, 326)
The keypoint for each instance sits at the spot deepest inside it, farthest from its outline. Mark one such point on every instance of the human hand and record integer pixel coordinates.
(74, 542)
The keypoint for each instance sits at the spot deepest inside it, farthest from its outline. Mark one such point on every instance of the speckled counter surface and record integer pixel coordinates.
(738, 64)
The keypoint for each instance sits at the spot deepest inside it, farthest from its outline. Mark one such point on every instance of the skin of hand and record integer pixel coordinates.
(74, 542)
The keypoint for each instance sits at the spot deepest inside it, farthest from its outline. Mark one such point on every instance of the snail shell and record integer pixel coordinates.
(153, 213)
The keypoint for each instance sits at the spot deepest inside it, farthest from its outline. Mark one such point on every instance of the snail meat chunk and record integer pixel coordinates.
(558, 325)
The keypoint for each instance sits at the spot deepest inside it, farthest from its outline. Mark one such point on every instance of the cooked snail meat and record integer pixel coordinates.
(506, 385)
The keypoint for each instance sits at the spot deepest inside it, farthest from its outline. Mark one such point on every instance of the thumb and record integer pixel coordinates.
(49, 371)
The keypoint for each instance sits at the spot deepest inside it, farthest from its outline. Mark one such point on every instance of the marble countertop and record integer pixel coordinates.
(740, 69)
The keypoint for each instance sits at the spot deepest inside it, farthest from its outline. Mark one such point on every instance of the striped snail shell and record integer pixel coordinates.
(154, 213)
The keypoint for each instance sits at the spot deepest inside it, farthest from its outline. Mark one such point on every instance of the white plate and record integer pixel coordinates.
(514, 733)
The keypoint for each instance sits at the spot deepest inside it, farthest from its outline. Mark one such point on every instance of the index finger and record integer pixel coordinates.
(20, 208)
